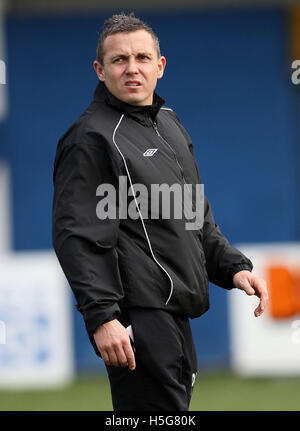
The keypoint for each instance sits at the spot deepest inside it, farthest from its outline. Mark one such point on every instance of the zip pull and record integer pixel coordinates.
(154, 124)
(155, 128)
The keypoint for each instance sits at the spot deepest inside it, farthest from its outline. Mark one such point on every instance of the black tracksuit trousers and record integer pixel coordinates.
(166, 363)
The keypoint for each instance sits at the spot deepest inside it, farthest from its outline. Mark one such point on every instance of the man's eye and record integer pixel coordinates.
(118, 60)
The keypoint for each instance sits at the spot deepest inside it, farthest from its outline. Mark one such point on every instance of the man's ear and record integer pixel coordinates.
(99, 69)
(161, 67)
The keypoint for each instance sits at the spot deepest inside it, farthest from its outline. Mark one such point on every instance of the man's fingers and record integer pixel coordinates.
(113, 343)
(260, 309)
(130, 356)
(113, 360)
(264, 299)
(246, 286)
(121, 355)
(109, 357)
(105, 356)
(253, 285)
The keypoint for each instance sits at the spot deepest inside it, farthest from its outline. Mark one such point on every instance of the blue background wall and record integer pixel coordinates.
(228, 79)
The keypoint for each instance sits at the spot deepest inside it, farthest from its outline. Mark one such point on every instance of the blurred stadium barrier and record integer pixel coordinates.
(36, 348)
(270, 344)
(36, 342)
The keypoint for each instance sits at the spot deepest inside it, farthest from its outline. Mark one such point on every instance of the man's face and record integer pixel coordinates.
(131, 67)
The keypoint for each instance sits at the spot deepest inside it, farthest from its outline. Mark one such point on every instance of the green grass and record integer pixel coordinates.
(229, 392)
(217, 391)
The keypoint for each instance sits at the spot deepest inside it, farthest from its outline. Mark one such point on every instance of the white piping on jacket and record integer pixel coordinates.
(137, 207)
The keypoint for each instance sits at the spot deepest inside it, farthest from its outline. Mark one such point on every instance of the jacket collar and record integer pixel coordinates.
(143, 114)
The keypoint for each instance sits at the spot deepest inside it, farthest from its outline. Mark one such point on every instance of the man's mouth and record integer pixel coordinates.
(133, 83)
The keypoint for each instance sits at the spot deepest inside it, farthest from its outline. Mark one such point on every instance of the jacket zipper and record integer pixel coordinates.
(174, 153)
(181, 170)
(154, 125)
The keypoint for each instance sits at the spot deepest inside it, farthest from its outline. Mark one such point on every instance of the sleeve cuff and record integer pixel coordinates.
(237, 268)
(97, 316)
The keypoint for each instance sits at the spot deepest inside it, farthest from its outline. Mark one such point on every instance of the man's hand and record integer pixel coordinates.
(113, 342)
(253, 285)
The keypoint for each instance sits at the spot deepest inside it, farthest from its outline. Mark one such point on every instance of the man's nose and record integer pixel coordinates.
(131, 67)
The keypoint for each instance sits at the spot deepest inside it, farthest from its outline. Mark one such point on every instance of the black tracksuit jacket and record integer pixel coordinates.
(119, 263)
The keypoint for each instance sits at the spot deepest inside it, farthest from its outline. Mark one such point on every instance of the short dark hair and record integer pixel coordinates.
(123, 23)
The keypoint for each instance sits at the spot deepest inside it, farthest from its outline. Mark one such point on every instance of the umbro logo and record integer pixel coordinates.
(150, 152)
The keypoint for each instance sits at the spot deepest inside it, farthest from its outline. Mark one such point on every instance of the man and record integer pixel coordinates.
(146, 274)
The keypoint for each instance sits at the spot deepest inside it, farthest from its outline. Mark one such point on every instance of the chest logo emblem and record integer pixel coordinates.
(150, 152)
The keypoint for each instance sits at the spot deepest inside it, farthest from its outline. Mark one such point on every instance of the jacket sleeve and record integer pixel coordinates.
(222, 260)
(84, 244)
